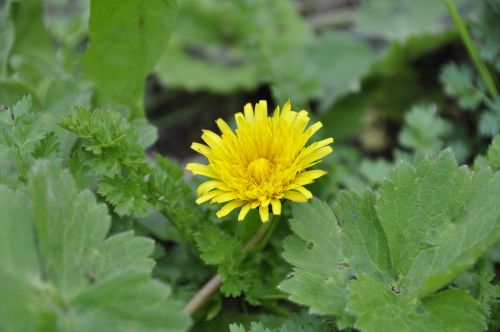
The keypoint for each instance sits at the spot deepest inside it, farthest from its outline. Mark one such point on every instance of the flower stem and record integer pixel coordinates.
(469, 45)
(206, 292)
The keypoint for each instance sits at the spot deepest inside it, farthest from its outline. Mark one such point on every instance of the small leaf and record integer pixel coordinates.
(458, 83)
(424, 130)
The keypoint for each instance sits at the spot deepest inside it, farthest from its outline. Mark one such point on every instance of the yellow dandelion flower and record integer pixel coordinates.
(260, 163)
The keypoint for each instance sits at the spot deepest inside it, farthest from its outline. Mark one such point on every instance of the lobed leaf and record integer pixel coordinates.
(380, 260)
(58, 271)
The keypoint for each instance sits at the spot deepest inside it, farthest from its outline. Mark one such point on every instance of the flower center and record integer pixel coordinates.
(260, 169)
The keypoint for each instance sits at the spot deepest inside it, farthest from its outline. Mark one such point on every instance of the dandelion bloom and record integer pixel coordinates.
(263, 161)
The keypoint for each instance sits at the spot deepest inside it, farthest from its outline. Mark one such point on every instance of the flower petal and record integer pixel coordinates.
(264, 213)
(229, 207)
(295, 196)
(201, 169)
(208, 196)
(244, 211)
(276, 204)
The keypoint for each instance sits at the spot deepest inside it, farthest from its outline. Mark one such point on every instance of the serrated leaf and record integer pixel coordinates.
(59, 273)
(391, 253)
(292, 323)
(126, 40)
(111, 148)
(494, 153)
(377, 307)
(254, 327)
(458, 82)
(220, 249)
(22, 133)
(424, 130)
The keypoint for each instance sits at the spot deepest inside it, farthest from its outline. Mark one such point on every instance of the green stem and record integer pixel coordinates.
(469, 45)
(273, 223)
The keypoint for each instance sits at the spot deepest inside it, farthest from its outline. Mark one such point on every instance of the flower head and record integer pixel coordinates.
(260, 163)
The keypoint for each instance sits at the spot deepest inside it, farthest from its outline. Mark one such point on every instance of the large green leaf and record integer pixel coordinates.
(379, 261)
(58, 272)
(127, 38)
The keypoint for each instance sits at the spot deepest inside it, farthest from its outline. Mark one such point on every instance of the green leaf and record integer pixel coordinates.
(424, 130)
(290, 323)
(126, 41)
(58, 271)
(458, 83)
(174, 197)
(375, 171)
(148, 134)
(254, 327)
(378, 307)
(380, 260)
(21, 135)
(6, 39)
(478, 282)
(340, 62)
(494, 153)
(111, 148)
(399, 20)
(59, 99)
(489, 121)
(194, 68)
(220, 249)
(11, 91)
(32, 55)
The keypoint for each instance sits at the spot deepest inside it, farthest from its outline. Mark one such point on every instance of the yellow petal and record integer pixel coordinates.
(304, 192)
(301, 121)
(229, 207)
(226, 197)
(240, 120)
(264, 213)
(224, 127)
(248, 112)
(295, 196)
(310, 159)
(312, 129)
(212, 139)
(287, 107)
(201, 169)
(209, 185)
(308, 177)
(201, 149)
(244, 211)
(209, 195)
(276, 204)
